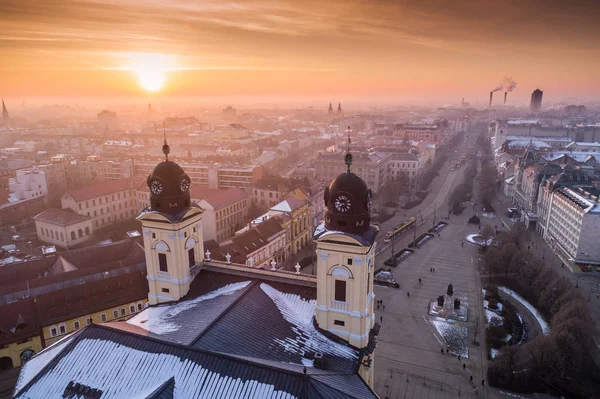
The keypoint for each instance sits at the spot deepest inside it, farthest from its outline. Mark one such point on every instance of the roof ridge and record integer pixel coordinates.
(222, 314)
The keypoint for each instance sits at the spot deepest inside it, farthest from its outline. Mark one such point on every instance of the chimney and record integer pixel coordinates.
(505, 94)
(491, 95)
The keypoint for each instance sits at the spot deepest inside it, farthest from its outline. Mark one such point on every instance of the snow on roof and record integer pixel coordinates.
(161, 319)
(39, 361)
(299, 312)
(141, 373)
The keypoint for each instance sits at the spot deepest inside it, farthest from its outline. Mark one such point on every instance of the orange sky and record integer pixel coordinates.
(417, 49)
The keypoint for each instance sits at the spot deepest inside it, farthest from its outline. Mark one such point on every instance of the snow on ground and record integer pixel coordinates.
(158, 320)
(493, 318)
(476, 239)
(513, 395)
(385, 275)
(488, 215)
(494, 353)
(454, 336)
(543, 324)
(299, 312)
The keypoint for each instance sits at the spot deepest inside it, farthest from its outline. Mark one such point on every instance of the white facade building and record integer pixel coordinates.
(28, 183)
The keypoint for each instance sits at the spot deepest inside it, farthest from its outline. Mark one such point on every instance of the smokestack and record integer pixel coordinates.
(505, 94)
(491, 95)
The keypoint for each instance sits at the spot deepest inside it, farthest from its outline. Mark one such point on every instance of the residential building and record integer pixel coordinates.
(270, 190)
(44, 299)
(27, 184)
(216, 176)
(106, 203)
(295, 215)
(372, 167)
(63, 228)
(573, 228)
(56, 179)
(429, 132)
(225, 211)
(407, 164)
(16, 212)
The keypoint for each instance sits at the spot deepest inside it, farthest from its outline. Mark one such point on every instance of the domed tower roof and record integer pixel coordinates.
(348, 202)
(169, 186)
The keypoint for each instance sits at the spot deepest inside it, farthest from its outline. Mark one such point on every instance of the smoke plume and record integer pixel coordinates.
(509, 84)
(497, 89)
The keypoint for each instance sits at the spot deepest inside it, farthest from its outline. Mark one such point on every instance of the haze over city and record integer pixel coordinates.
(392, 52)
(299, 199)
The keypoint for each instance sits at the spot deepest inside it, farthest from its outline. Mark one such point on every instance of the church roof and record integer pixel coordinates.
(213, 344)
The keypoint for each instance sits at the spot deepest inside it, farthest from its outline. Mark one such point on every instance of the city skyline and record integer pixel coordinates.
(386, 51)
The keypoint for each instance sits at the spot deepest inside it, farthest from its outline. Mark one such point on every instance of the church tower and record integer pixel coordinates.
(339, 110)
(4, 110)
(345, 265)
(172, 229)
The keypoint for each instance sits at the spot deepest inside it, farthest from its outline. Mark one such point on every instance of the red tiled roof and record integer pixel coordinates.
(217, 198)
(60, 217)
(101, 189)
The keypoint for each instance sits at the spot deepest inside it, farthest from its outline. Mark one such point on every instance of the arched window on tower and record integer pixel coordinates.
(80, 233)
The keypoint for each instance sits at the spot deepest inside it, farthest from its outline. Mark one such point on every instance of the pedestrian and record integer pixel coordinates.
(419, 281)
(378, 305)
(462, 244)
(483, 382)
(434, 270)
(442, 351)
(459, 358)
(383, 308)
(380, 319)
(471, 379)
(447, 350)
(438, 235)
(407, 294)
(464, 366)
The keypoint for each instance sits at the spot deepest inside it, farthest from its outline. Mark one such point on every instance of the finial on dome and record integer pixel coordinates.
(348, 157)
(165, 148)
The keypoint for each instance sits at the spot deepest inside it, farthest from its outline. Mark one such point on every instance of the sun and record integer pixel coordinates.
(151, 69)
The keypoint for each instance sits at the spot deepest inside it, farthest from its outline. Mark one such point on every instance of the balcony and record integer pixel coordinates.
(339, 305)
(163, 275)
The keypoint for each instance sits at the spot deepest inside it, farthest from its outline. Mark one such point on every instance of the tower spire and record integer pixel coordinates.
(348, 158)
(4, 110)
(165, 148)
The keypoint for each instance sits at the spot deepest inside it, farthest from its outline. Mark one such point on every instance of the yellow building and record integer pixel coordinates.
(295, 215)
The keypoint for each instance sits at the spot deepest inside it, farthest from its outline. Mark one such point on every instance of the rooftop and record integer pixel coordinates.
(102, 189)
(216, 197)
(61, 217)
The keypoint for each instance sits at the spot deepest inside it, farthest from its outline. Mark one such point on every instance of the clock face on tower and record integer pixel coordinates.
(342, 203)
(185, 184)
(156, 187)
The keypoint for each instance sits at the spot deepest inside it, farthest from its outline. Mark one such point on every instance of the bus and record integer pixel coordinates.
(400, 229)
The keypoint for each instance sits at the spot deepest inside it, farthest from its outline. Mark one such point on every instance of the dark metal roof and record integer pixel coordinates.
(164, 391)
(94, 353)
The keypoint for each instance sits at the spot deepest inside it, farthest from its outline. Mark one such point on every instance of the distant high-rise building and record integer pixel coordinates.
(107, 120)
(4, 110)
(536, 100)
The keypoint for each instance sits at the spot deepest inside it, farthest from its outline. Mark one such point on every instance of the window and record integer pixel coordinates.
(62, 236)
(87, 230)
(103, 317)
(76, 325)
(140, 306)
(153, 235)
(87, 205)
(162, 262)
(165, 290)
(72, 235)
(191, 257)
(349, 261)
(80, 206)
(131, 308)
(115, 314)
(340, 290)
(102, 211)
(62, 328)
(93, 202)
(88, 321)
(80, 232)
(123, 312)
(53, 331)
(95, 213)
(339, 323)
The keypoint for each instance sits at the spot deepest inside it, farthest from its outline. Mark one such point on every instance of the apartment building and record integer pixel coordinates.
(225, 211)
(428, 132)
(44, 299)
(215, 176)
(407, 164)
(295, 216)
(106, 203)
(573, 228)
(372, 167)
(27, 184)
(63, 228)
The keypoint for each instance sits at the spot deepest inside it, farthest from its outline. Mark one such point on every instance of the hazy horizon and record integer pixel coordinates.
(401, 52)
